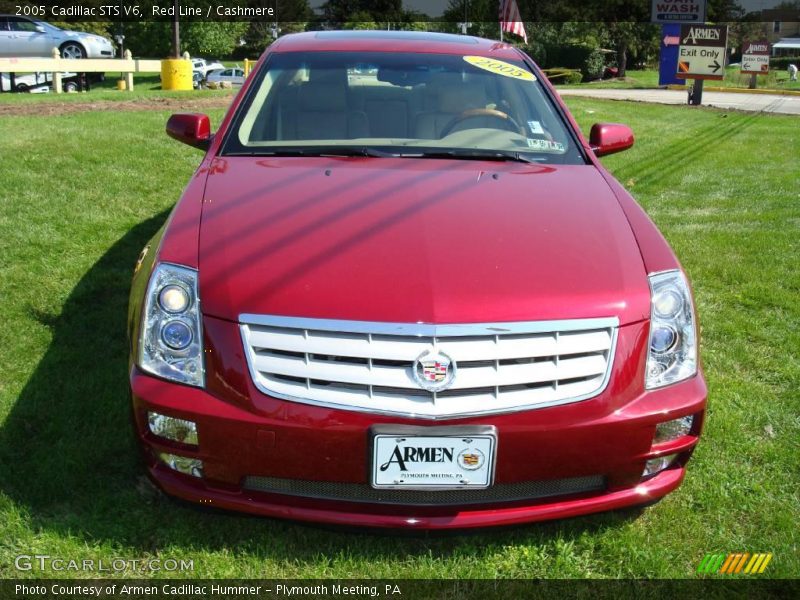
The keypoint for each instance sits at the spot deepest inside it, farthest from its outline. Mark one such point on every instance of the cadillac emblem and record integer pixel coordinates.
(470, 459)
(434, 371)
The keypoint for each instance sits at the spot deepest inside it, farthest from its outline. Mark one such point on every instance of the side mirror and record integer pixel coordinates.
(608, 138)
(40, 29)
(190, 128)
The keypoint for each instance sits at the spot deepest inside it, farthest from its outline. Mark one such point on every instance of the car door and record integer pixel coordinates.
(28, 40)
(5, 37)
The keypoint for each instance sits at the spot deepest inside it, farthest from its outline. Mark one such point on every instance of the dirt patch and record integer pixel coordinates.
(64, 108)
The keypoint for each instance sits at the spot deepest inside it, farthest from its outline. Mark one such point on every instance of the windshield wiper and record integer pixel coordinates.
(318, 151)
(473, 155)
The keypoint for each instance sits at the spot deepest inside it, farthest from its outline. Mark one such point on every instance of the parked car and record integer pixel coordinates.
(202, 66)
(418, 303)
(21, 36)
(37, 83)
(233, 76)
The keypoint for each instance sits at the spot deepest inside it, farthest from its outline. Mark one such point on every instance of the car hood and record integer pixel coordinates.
(416, 240)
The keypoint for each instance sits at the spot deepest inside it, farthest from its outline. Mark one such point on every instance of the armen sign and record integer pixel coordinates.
(701, 54)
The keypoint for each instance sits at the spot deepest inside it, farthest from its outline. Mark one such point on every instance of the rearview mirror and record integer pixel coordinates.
(193, 129)
(608, 138)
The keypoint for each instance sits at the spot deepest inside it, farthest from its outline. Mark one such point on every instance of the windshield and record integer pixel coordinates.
(409, 104)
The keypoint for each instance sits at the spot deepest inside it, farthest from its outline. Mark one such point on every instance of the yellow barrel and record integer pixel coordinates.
(176, 74)
(121, 84)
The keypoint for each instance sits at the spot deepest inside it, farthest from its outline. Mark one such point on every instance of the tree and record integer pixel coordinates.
(292, 16)
(212, 38)
(482, 14)
(360, 20)
(369, 12)
(216, 39)
(96, 27)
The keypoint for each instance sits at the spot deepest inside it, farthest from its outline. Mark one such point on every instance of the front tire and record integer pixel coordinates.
(72, 50)
(70, 86)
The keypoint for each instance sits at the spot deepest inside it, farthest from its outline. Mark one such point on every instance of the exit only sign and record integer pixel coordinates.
(701, 52)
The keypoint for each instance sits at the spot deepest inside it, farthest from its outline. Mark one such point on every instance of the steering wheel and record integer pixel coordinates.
(508, 122)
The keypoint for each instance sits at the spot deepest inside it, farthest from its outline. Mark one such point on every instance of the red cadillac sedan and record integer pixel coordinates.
(401, 290)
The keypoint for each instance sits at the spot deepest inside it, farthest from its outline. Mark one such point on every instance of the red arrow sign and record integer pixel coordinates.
(671, 40)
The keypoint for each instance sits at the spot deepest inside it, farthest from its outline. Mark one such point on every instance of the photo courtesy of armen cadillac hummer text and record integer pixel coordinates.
(401, 291)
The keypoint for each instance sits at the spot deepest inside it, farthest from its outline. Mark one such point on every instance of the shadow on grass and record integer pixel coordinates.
(69, 459)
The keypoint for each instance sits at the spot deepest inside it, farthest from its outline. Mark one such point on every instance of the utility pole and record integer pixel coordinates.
(465, 24)
(176, 32)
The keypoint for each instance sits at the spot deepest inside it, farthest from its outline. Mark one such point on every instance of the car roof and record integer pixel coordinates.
(393, 41)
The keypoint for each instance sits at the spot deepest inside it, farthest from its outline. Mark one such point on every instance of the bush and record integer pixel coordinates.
(563, 76)
(781, 63)
(595, 64)
(584, 58)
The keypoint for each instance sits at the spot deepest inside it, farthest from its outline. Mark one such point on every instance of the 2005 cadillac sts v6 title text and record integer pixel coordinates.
(401, 291)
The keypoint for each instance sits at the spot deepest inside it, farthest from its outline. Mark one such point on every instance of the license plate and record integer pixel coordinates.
(433, 457)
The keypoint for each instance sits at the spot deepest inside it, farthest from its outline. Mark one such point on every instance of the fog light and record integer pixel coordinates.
(177, 430)
(655, 465)
(662, 339)
(672, 430)
(177, 335)
(183, 464)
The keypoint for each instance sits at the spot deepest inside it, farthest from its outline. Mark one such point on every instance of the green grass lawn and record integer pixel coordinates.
(82, 193)
(648, 78)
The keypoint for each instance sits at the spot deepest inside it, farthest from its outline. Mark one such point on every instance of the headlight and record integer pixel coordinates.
(171, 343)
(672, 351)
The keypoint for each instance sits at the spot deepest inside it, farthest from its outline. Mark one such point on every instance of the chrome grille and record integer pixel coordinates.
(368, 366)
(362, 492)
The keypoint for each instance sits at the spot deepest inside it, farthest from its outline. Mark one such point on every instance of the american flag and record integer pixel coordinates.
(511, 20)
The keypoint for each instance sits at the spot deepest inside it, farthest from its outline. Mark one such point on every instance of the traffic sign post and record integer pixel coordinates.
(668, 54)
(678, 11)
(701, 56)
(671, 14)
(755, 59)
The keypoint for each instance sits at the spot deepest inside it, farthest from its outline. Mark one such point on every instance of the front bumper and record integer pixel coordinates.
(313, 457)
(98, 49)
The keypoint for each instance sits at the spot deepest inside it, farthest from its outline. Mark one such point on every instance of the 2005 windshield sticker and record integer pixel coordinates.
(500, 68)
(546, 146)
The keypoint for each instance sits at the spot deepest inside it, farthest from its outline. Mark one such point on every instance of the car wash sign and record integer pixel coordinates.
(679, 11)
(755, 57)
(701, 52)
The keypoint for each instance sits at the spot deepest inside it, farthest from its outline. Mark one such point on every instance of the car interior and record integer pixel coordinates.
(336, 104)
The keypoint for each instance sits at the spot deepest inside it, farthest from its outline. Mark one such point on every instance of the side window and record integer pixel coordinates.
(3, 24)
(18, 24)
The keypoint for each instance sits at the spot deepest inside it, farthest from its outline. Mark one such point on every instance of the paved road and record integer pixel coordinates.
(789, 105)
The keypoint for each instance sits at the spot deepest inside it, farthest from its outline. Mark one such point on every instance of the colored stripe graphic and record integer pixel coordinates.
(734, 563)
(753, 562)
(765, 563)
(726, 565)
(740, 564)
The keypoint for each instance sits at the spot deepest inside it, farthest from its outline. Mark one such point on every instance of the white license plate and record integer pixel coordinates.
(461, 460)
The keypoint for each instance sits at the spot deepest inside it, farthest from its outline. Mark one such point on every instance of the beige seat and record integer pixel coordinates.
(320, 110)
(450, 101)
